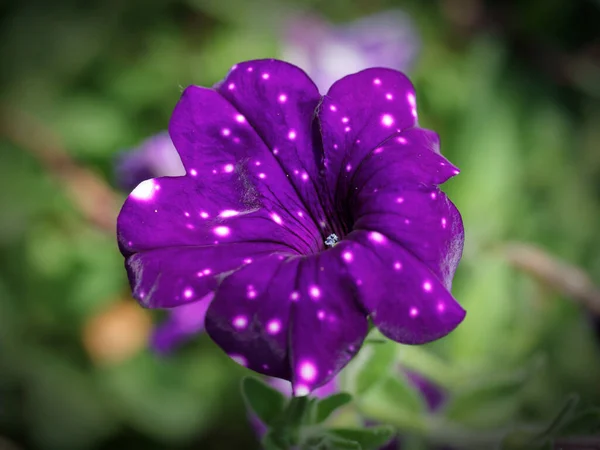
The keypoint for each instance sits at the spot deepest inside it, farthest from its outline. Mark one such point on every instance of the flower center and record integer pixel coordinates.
(331, 240)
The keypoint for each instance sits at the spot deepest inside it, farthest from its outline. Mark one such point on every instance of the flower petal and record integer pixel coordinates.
(359, 113)
(249, 317)
(394, 192)
(174, 276)
(221, 150)
(410, 157)
(328, 325)
(406, 301)
(175, 212)
(279, 100)
(290, 318)
(421, 220)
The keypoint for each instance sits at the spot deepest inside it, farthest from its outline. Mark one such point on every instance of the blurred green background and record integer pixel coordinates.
(513, 89)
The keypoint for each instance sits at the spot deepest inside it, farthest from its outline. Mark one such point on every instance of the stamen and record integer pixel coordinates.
(331, 240)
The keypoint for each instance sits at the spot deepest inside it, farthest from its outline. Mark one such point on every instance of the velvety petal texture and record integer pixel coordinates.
(297, 219)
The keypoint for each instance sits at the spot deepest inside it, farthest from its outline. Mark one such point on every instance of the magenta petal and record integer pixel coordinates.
(421, 220)
(394, 192)
(249, 317)
(359, 113)
(326, 306)
(174, 276)
(279, 100)
(183, 212)
(290, 318)
(410, 157)
(406, 301)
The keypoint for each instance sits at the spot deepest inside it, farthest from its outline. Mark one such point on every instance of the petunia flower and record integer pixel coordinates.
(305, 215)
(155, 157)
(328, 52)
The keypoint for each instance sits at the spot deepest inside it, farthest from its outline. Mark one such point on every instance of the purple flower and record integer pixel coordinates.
(155, 157)
(433, 394)
(183, 322)
(304, 215)
(327, 52)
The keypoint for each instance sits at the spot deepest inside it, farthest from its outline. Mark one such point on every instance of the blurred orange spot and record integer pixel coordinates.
(117, 333)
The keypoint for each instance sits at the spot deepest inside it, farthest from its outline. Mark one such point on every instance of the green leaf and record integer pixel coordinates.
(488, 403)
(328, 405)
(584, 423)
(330, 441)
(564, 415)
(265, 401)
(368, 438)
(396, 402)
(273, 441)
(533, 439)
(402, 393)
(373, 364)
(160, 399)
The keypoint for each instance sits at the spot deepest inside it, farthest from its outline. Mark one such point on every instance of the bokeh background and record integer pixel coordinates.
(513, 89)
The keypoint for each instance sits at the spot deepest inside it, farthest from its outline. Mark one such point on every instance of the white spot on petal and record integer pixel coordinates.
(377, 237)
(301, 390)
(314, 292)
(221, 231)
(240, 360)
(307, 371)
(228, 213)
(387, 120)
(274, 326)
(240, 322)
(145, 190)
(276, 218)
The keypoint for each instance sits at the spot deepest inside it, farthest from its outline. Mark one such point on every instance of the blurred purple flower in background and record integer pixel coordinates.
(327, 52)
(154, 157)
(183, 323)
(433, 395)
